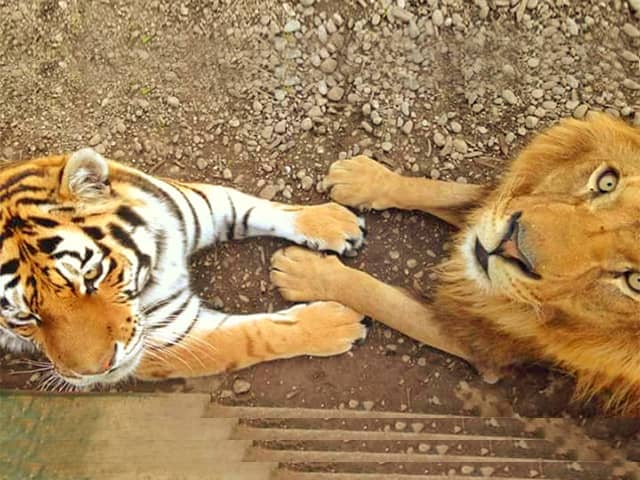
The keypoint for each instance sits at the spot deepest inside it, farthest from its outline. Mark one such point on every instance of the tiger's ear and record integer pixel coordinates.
(85, 176)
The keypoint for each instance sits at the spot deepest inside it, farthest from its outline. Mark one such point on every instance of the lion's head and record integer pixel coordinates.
(553, 256)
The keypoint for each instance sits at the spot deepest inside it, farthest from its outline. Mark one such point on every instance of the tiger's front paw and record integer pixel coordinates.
(329, 328)
(330, 227)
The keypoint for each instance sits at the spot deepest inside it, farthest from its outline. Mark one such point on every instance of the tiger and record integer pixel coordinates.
(94, 275)
(545, 267)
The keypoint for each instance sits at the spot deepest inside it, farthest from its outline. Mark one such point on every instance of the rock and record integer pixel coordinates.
(437, 18)
(335, 94)
(267, 132)
(580, 111)
(531, 122)
(630, 84)
(487, 471)
(280, 127)
(424, 447)
(439, 139)
(95, 140)
(460, 146)
(407, 127)
(631, 30)
(306, 124)
(226, 174)
(353, 403)
(376, 119)
(399, 425)
(241, 386)
(201, 163)
(292, 26)
(386, 146)
(442, 449)
(306, 183)
(509, 97)
(328, 65)
(368, 405)
(417, 427)
(173, 101)
(268, 192)
(314, 112)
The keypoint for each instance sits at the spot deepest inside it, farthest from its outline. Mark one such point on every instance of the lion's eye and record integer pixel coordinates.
(607, 181)
(93, 273)
(633, 281)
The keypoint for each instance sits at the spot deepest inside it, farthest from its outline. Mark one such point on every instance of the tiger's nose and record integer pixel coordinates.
(103, 365)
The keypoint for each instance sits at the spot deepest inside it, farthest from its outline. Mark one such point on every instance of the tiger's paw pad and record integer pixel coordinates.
(331, 227)
(329, 328)
(302, 275)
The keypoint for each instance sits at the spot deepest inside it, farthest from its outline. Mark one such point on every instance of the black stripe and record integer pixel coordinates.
(68, 253)
(49, 244)
(13, 282)
(112, 266)
(94, 232)
(231, 230)
(126, 241)
(67, 282)
(12, 180)
(204, 197)
(172, 316)
(43, 222)
(88, 253)
(146, 185)
(33, 201)
(193, 214)
(183, 334)
(245, 221)
(20, 189)
(163, 303)
(10, 266)
(127, 214)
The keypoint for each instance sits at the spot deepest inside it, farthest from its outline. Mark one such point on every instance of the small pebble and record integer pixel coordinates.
(241, 386)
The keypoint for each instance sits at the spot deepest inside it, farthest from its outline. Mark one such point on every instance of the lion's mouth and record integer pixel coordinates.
(508, 249)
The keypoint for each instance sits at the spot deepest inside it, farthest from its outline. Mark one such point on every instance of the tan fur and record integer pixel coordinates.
(321, 329)
(578, 315)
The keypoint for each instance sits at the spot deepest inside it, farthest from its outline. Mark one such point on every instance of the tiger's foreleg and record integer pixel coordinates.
(219, 342)
(225, 214)
(364, 183)
(302, 275)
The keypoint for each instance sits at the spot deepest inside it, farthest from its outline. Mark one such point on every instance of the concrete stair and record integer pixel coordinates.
(185, 436)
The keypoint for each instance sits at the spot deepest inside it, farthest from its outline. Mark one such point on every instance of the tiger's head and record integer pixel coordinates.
(560, 239)
(67, 284)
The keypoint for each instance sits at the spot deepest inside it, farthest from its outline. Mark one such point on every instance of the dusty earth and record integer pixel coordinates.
(264, 95)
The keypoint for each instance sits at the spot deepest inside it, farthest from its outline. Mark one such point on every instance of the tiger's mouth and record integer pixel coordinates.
(123, 370)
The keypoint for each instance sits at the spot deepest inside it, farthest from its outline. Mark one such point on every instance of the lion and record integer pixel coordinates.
(546, 265)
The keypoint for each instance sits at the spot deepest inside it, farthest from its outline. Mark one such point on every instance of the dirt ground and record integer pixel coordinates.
(264, 95)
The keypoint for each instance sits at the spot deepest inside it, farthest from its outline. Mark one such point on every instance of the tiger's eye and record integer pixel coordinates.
(607, 181)
(633, 281)
(93, 273)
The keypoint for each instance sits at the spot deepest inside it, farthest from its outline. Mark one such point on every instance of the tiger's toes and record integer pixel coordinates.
(331, 227)
(330, 328)
(303, 275)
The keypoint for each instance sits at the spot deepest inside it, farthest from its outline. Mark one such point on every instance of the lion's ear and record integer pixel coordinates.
(85, 176)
